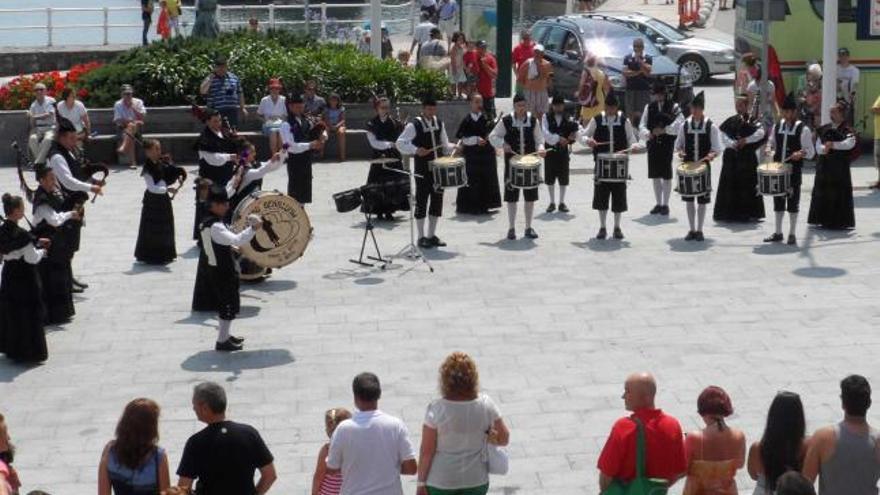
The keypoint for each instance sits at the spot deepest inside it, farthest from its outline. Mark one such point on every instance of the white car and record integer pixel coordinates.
(702, 57)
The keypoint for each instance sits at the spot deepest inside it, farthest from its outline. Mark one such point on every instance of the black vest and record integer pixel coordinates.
(481, 127)
(13, 237)
(73, 164)
(701, 136)
(564, 129)
(512, 134)
(212, 143)
(602, 135)
(423, 137)
(792, 142)
(389, 130)
(223, 261)
(661, 115)
(61, 247)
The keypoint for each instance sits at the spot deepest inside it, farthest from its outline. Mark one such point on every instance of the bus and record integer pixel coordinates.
(797, 42)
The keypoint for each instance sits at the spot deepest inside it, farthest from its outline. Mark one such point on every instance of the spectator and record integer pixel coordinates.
(173, 8)
(222, 90)
(783, 445)
(457, 428)
(273, 111)
(147, 17)
(429, 7)
(312, 103)
(448, 15)
(372, 449)
(794, 483)
(716, 452)
(134, 462)
(403, 58)
(41, 115)
(253, 25)
(586, 5)
(744, 73)
(73, 110)
(457, 76)
(637, 72)
(206, 25)
(770, 114)
(592, 89)
(163, 28)
(432, 53)
(664, 444)
(846, 456)
(224, 455)
(876, 111)
(534, 77)
(485, 67)
(847, 84)
(9, 483)
(128, 115)
(421, 33)
(470, 59)
(334, 119)
(523, 51)
(324, 483)
(387, 47)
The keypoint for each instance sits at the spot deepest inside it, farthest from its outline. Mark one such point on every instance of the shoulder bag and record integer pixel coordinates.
(641, 485)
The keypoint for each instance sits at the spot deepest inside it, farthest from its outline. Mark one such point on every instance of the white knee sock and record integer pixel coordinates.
(432, 225)
(692, 213)
(603, 217)
(779, 217)
(701, 217)
(667, 191)
(530, 210)
(223, 330)
(792, 220)
(511, 214)
(562, 194)
(551, 191)
(616, 220)
(658, 191)
(420, 226)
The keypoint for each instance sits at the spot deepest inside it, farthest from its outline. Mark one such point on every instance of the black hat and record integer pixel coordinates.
(611, 100)
(518, 98)
(429, 101)
(843, 51)
(789, 103)
(482, 44)
(558, 100)
(65, 126)
(294, 98)
(220, 60)
(658, 88)
(217, 194)
(699, 101)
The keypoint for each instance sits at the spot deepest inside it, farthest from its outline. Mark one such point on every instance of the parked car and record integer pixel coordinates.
(567, 39)
(702, 57)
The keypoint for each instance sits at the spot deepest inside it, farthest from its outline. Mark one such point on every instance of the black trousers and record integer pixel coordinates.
(610, 192)
(425, 192)
(791, 202)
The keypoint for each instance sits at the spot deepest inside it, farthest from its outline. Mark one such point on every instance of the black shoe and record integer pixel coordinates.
(424, 242)
(618, 234)
(436, 242)
(656, 210)
(236, 340)
(228, 346)
(774, 238)
(531, 234)
(552, 207)
(79, 284)
(664, 210)
(76, 289)
(563, 208)
(511, 235)
(698, 236)
(602, 233)
(691, 236)
(792, 240)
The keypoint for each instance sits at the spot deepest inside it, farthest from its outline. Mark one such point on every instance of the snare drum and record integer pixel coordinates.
(612, 167)
(448, 172)
(525, 171)
(694, 179)
(286, 228)
(774, 179)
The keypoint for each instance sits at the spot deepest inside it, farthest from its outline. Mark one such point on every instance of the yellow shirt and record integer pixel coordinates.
(877, 119)
(173, 7)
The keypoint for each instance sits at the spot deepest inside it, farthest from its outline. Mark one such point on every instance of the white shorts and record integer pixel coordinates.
(448, 28)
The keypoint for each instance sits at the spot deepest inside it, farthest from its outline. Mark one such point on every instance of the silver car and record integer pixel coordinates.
(702, 57)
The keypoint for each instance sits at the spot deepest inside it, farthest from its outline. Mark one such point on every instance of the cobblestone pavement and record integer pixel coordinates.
(554, 324)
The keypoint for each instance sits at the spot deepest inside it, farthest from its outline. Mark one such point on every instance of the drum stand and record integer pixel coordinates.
(411, 251)
(368, 230)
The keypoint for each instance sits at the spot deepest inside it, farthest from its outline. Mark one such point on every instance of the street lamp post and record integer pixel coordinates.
(829, 59)
(376, 28)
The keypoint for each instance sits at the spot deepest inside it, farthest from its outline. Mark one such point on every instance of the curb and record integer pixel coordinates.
(705, 12)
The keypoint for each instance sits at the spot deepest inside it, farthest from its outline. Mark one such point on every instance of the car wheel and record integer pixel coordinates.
(696, 66)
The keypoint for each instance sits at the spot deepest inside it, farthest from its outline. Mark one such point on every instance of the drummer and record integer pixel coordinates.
(698, 141)
(425, 138)
(560, 131)
(610, 127)
(518, 134)
(657, 128)
(250, 176)
(791, 142)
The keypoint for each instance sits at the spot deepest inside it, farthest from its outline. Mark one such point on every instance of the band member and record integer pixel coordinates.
(560, 131)
(218, 152)
(22, 312)
(742, 136)
(791, 143)
(382, 132)
(155, 242)
(72, 178)
(518, 134)
(482, 193)
(425, 139)
(249, 175)
(658, 128)
(297, 134)
(698, 141)
(832, 204)
(54, 220)
(610, 132)
(217, 282)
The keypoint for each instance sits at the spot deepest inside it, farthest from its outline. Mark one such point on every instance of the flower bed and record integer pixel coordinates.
(19, 92)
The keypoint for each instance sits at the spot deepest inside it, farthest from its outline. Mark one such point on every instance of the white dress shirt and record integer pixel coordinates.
(217, 159)
(376, 143)
(496, 137)
(806, 138)
(54, 218)
(671, 129)
(714, 138)
(404, 141)
(58, 164)
(30, 253)
(588, 132)
(845, 145)
(296, 148)
(472, 140)
(256, 174)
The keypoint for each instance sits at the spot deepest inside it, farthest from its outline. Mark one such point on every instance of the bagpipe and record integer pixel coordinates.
(171, 173)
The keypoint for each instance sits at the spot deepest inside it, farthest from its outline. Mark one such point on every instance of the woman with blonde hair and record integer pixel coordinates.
(458, 426)
(134, 463)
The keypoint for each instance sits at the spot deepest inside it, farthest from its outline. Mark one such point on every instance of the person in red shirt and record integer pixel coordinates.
(664, 442)
(485, 67)
(522, 52)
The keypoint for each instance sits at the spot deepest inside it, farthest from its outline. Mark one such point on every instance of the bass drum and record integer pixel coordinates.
(286, 228)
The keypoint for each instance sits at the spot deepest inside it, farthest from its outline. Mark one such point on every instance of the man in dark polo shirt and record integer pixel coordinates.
(222, 90)
(664, 443)
(224, 455)
(637, 71)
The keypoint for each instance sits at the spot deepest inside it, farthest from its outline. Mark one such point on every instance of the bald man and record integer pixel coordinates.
(664, 442)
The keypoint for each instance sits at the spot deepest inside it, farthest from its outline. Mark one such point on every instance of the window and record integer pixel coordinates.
(846, 9)
(538, 32)
(555, 39)
(572, 45)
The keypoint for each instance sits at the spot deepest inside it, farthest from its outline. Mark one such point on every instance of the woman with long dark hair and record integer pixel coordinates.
(133, 463)
(783, 446)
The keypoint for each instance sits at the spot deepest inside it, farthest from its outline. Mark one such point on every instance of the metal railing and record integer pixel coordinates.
(271, 16)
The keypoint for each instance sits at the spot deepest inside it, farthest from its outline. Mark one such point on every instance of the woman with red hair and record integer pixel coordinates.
(716, 452)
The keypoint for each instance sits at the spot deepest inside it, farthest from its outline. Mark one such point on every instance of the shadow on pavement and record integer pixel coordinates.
(369, 281)
(507, 245)
(10, 370)
(683, 246)
(773, 248)
(868, 201)
(191, 253)
(552, 217)
(738, 226)
(439, 254)
(601, 246)
(271, 285)
(819, 272)
(202, 317)
(138, 268)
(652, 220)
(236, 362)
(478, 219)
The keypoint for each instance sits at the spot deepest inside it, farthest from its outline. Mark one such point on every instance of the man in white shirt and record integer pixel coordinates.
(421, 33)
(448, 14)
(128, 115)
(372, 449)
(42, 121)
(847, 82)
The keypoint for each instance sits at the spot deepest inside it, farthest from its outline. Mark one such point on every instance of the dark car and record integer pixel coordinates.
(567, 39)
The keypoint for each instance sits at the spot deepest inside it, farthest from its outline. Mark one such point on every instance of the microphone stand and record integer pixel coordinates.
(411, 251)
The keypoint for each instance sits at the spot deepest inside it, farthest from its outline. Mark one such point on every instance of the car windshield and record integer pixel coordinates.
(616, 46)
(666, 30)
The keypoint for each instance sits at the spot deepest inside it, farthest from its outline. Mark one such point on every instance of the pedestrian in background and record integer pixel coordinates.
(523, 51)
(876, 111)
(133, 462)
(222, 90)
(206, 25)
(485, 67)
(147, 17)
(783, 445)
(592, 89)
(637, 71)
(534, 76)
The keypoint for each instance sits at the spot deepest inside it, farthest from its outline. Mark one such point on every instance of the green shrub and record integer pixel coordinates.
(166, 73)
